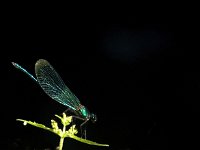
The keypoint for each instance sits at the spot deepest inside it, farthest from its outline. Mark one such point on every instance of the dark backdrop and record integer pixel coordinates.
(138, 72)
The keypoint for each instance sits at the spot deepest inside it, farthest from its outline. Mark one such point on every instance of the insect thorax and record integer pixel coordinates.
(84, 112)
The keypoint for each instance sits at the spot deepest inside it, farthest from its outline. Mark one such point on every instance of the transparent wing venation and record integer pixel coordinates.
(53, 85)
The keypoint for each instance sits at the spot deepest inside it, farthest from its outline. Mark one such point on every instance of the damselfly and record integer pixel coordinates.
(52, 84)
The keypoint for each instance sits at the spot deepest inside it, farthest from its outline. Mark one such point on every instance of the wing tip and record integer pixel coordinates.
(41, 62)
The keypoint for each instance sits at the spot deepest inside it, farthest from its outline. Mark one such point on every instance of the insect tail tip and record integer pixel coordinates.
(14, 64)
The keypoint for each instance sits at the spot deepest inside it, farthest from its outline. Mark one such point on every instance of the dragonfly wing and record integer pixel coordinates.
(53, 85)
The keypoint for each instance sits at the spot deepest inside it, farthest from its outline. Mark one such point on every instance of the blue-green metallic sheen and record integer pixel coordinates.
(52, 84)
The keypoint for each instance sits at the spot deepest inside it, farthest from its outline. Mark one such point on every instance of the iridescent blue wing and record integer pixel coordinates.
(53, 85)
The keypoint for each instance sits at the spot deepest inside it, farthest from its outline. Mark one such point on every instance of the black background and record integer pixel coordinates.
(137, 70)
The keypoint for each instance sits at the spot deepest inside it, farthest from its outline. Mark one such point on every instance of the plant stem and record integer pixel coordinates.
(62, 138)
(61, 143)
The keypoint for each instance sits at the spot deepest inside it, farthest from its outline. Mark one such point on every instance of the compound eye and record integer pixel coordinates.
(94, 118)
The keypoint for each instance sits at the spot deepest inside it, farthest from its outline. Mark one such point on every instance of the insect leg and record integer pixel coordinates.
(83, 133)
